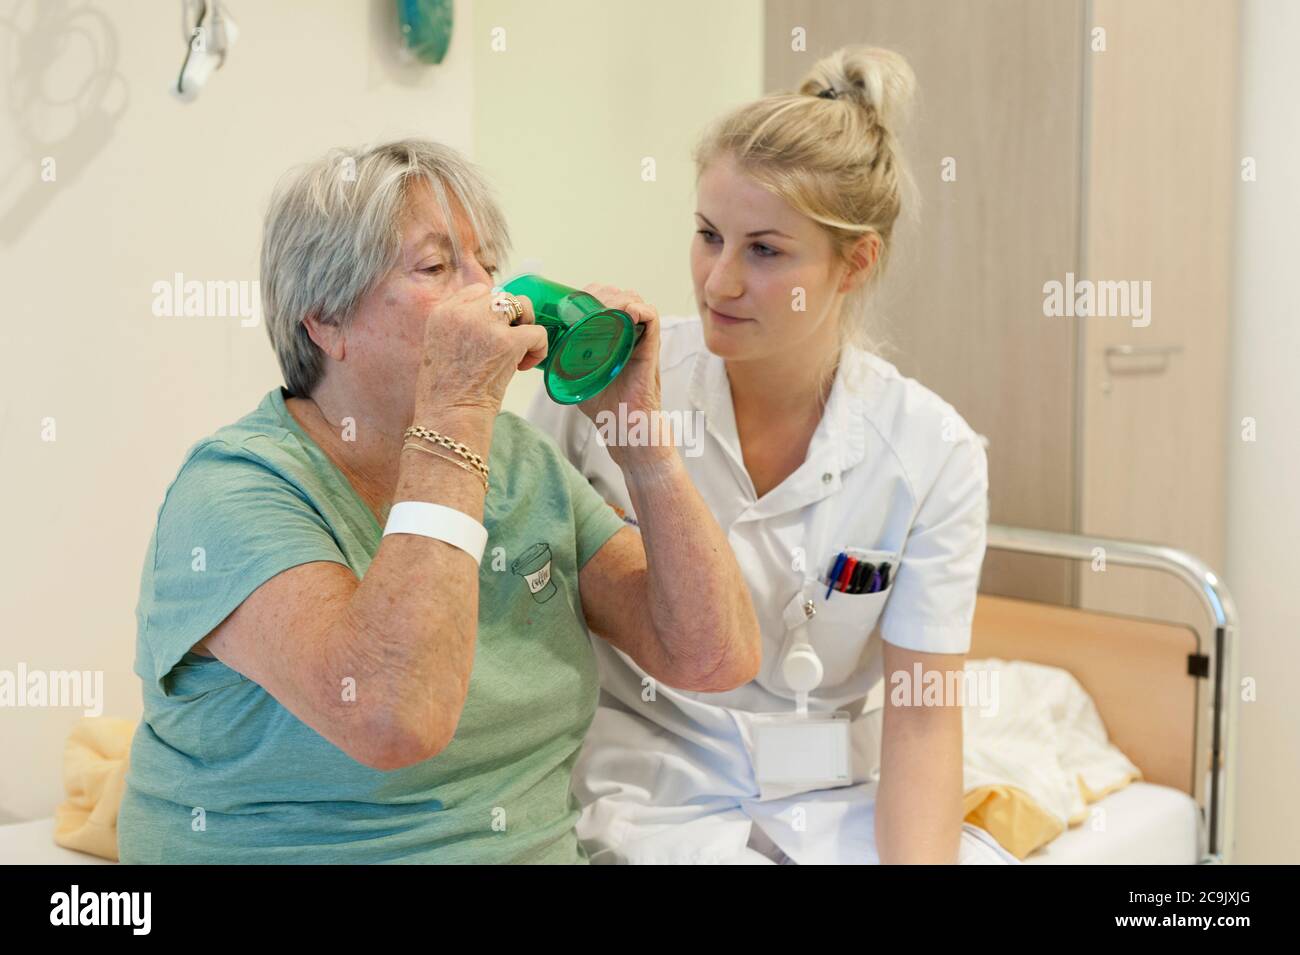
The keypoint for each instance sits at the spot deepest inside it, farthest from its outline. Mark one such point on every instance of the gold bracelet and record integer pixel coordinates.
(460, 464)
(441, 439)
(480, 470)
(442, 457)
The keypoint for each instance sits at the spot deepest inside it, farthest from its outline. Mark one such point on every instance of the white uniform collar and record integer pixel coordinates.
(838, 444)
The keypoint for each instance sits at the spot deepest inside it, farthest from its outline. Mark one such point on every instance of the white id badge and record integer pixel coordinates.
(809, 751)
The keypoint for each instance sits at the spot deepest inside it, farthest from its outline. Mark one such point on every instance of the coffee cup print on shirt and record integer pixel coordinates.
(534, 565)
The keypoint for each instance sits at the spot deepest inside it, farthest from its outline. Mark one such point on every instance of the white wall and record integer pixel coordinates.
(1263, 476)
(146, 187)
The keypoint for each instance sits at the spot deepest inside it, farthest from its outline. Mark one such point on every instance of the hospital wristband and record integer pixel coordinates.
(441, 523)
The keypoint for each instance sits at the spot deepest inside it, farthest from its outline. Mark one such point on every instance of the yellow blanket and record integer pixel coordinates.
(94, 773)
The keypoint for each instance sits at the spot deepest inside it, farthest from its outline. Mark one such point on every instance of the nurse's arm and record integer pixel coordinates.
(918, 802)
(672, 597)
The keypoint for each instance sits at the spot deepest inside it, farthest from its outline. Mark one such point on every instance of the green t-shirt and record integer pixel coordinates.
(220, 772)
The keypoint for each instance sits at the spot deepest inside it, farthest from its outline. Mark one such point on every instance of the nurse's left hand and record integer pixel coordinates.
(637, 385)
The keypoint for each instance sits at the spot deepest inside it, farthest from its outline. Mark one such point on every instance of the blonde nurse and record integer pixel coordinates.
(805, 446)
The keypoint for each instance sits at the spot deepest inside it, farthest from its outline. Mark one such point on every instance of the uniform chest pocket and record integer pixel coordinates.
(840, 628)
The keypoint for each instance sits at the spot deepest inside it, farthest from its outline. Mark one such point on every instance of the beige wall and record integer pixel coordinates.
(160, 187)
(1263, 506)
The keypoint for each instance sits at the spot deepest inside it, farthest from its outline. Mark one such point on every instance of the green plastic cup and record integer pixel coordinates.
(587, 343)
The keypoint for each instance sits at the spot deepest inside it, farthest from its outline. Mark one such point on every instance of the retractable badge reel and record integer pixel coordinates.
(802, 749)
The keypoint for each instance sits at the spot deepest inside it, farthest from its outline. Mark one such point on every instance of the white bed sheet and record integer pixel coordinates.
(32, 843)
(1145, 824)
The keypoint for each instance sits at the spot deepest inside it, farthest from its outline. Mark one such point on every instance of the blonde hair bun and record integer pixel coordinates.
(875, 79)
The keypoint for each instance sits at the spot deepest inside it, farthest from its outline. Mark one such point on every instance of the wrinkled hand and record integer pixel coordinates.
(471, 351)
(637, 385)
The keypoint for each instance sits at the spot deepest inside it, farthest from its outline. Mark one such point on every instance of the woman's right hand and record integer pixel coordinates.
(471, 351)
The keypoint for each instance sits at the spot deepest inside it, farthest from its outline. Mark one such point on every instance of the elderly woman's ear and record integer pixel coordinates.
(329, 338)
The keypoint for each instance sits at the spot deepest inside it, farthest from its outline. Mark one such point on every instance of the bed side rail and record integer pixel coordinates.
(1222, 614)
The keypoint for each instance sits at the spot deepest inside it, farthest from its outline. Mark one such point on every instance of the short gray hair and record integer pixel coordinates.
(333, 231)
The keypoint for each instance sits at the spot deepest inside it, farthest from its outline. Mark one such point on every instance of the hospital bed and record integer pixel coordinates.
(1164, 691)
(1160, 688)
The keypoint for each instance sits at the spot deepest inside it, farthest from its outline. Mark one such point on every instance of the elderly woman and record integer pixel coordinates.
(330, 674)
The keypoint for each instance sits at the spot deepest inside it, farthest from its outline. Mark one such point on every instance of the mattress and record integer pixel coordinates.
(1143, 824)
(32, 843)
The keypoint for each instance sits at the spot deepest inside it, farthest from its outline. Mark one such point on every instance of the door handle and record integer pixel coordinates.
(1135, 351)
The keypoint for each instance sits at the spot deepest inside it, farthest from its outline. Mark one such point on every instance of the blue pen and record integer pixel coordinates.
(874, 586)
(835, 573)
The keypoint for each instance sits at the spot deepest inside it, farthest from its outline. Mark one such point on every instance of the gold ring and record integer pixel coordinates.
(516, 307)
